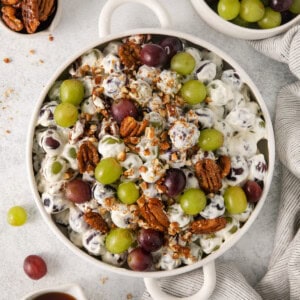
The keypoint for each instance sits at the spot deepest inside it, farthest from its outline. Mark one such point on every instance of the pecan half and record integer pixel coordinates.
(209, 175)
(87, 157)
(46, 8)
(152, 211)
(30, 14)
(206, 226)
(96, 221)
(129, 54)
(225, 165)
(130, 127)
(10, 19)
(10, 2)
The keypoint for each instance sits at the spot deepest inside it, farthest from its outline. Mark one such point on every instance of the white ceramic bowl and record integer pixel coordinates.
(228, 28)
(46, 31)
(269, 150)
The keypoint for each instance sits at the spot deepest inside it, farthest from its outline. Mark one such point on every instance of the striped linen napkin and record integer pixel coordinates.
(282, 280)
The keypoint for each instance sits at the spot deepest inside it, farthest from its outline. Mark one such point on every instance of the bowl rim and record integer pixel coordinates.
(211, 17)
(225, 246)
(56, 19)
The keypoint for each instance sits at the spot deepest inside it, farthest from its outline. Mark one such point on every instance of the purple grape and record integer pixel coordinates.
(153, 55)
(280, 5)
(171, 45)
(253, 191)
(78, 191)
(35, 267)
(122, 109)
(150, 239)
(139, 259)
(175, 182)
(52, 143)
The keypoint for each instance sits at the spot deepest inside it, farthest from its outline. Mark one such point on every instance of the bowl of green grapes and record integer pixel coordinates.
(249, 19)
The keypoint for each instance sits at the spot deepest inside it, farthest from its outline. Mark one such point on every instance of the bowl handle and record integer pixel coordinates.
(110, 5)
(209, 272)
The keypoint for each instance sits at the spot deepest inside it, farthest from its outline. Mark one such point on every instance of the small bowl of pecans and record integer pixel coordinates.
(30, 17)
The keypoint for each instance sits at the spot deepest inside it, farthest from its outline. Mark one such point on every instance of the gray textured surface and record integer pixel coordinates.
(20, 84)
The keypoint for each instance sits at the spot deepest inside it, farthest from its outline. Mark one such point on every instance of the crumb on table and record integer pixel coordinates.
(32, 51)
(103, 279)
(7, 60)
(51, 37)
(129, 296)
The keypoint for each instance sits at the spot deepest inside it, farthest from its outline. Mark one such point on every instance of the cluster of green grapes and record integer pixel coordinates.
(263, 14)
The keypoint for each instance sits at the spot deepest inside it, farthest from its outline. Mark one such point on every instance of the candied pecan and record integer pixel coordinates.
(10, 2)
(131, 128)
(30, 14)
(133, 140)
(160, 185)
(96, 221)
(87, 157)
(209, 175)
(152, 211)
(10, 19)
(225, 165)
(129, 54)
(46, 8)
(206, 226)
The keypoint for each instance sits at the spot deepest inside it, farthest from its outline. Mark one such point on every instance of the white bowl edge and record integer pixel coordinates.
(228, 28)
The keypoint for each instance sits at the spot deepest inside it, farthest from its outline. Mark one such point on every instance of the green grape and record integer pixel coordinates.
(111, 141)
(193, 92)
(240, 22)
(56, 167)
(210, 139)
(118, 240)
(183, 63)
(271, 19)
(16, 216)
(128, 192)
(72, 153)
(295, 7)
(228, 9)
(108, 170)
(65, 114)
(252, 10)
(71, 91)
(192, 201)
(235, 200)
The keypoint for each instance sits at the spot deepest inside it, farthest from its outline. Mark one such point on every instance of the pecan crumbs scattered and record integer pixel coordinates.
(87, 157)
(129, 54)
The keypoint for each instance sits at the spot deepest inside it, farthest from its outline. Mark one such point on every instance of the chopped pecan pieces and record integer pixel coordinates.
(209, 175)
(206, 226)
(129, 54)
(10, 2)
(152, 211)
(132, 128)
(225, 165)
(87, 157)
(96, 221)
(30, 14)
(10, 19)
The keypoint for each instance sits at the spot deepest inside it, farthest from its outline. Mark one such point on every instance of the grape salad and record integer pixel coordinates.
(146, 152)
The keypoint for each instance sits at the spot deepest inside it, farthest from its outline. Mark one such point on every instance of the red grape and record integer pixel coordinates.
(122, 109)
(150, 239)
(280, 5)
(252, 190)
(139, 259)
(175, 182)
(78, 191)
(153, 55)
(171, 45)
(35, 267)
(52, 143)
